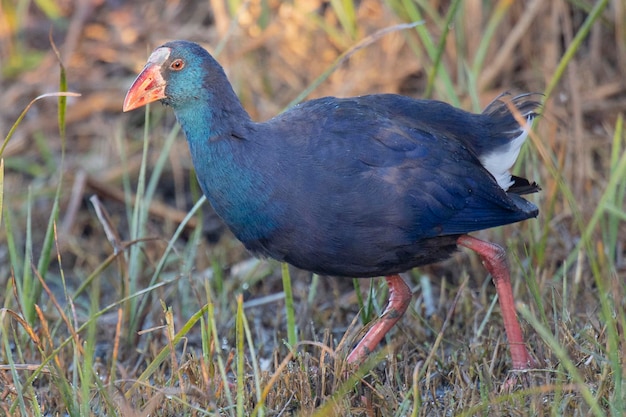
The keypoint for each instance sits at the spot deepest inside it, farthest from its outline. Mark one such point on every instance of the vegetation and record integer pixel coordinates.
(123, 296)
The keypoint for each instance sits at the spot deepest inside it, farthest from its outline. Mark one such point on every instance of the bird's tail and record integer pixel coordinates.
(514, 109)
(508, 120)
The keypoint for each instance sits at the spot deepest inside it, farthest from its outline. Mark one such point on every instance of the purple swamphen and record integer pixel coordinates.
(352, 187)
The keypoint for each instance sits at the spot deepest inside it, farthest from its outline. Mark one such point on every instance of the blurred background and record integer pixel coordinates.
(564, 264)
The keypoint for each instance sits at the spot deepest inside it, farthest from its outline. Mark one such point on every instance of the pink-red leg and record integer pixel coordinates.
(399, 299)
(494, 259)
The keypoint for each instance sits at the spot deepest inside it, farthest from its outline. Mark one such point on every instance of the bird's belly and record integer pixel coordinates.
(359, 259)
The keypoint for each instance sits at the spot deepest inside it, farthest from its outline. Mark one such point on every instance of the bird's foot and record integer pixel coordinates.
(399, 298)
(520, 375)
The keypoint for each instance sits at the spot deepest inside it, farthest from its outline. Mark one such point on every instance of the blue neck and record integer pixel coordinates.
(225, 173)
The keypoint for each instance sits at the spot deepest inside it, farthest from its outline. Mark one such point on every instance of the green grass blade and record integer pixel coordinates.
(313, 289)
(614, 214)
(346, 13)
(499, 13)
(255, 367)
(29, 284)
(359, 299)
(572, 49)
(292, 334)
(50, 8)
(48, 241)
(46, 252)
(212, 328)
(239, 337)
(610, 315)
(415, 15)
(441, 46)
(85, 366)
(8, 348)
(137, 230)
(15, 260)
(161, 163)
(62, 99)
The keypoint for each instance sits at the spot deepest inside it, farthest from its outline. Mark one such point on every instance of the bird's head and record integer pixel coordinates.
(176, 74)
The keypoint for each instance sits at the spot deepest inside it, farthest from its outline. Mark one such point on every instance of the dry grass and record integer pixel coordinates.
(79, 352)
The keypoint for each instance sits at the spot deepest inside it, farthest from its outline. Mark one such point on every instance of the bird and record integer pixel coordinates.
(367, 186)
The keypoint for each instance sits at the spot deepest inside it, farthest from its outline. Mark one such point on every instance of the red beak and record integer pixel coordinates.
(149, 86)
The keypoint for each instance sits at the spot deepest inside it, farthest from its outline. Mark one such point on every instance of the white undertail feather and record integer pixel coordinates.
(499, 161)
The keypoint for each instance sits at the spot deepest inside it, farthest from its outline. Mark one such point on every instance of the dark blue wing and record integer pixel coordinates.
(356, 187)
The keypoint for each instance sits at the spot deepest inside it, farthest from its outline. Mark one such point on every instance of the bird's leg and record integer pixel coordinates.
(399, 299)
(494, 259)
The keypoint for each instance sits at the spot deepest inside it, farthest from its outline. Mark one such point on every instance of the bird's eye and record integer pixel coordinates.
(177, 64)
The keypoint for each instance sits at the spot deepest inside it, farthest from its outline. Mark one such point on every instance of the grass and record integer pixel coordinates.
(112, 307)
